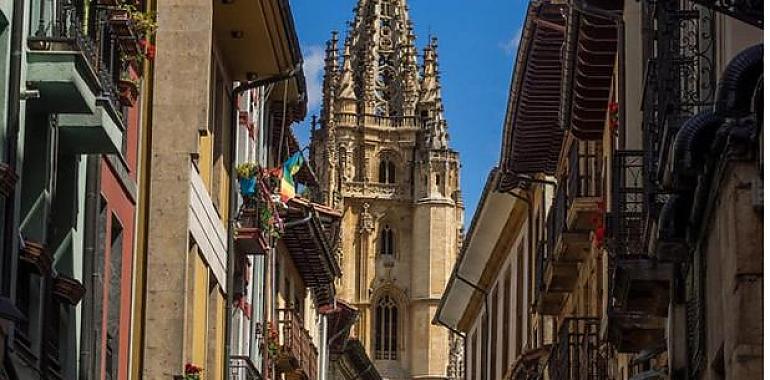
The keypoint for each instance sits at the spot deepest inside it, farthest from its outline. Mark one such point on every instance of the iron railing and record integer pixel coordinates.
(749, 11)
(628, 210)
(297, 344)
(242, 368)
(557, 219)
(577, 353)
(679, 80)
(65, 25)
(585, 166)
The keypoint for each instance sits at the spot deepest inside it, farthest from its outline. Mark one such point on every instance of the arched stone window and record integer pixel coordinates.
(387, 241)
(387, 171)
(386, 329)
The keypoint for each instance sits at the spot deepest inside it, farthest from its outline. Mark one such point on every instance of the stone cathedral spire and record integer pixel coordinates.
(387, 165)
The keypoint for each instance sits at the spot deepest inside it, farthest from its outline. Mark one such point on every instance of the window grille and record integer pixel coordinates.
(386, 329)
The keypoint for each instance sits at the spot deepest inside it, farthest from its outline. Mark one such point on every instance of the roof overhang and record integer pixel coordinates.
(310, 236)
(531, 134)
(483, 251)
(591, 55)
(258, 40)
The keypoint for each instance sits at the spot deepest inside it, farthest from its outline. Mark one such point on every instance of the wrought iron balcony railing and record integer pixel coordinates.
(577, 353)
(67, 25)
(242, 368)
(585, 165)
(627, 215)
(297, 354)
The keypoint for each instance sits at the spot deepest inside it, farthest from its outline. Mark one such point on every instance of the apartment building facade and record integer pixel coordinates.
(649, 115)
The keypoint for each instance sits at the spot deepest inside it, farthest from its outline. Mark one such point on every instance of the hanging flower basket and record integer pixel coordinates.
(128, 92)
(36, 255)
(120, 21)
(247, 178)
(192, 372)
(68, 289)
(248, 186)
(8, 179)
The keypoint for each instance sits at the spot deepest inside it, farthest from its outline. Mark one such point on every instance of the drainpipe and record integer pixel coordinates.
(233, 204)
(87, 355)
(11, 140)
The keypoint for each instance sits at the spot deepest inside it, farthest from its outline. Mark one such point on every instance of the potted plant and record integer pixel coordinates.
(247, 178)
(192, 372)
(133, 26)
(273, 345)
(128, 89)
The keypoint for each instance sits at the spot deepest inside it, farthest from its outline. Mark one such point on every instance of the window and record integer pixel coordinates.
(506, 318)
(386, 329)
(474, 349)
(387, 171)
(493, 334)
(113, 304)
(520, 333)
(387, 241)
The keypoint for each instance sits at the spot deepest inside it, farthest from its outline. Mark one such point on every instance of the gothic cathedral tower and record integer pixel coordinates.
(381, 155)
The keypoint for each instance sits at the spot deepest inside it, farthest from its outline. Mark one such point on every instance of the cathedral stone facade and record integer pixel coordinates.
(382, 157)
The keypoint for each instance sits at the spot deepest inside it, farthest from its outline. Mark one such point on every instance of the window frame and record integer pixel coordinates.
(386, 328)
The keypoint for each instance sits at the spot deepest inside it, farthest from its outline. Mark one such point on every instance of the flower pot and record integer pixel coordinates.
(68, 290)
(248, 186)
(120, 21)
(127, 93)
(8, 179)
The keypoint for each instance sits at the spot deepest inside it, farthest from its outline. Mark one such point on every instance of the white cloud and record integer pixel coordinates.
(512, 45)
(314, 68)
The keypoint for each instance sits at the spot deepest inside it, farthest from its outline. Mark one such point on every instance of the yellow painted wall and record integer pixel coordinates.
(216, 372)
(198, 320)
(205, 159)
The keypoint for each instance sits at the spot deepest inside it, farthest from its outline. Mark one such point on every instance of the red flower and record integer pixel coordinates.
(192, 369)
(599, 237)
(148, 48)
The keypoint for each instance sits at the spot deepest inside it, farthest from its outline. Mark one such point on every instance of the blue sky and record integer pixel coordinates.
(477, 44)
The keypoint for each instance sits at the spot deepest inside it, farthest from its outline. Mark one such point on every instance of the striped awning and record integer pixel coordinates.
(532, 135)
(591, 52)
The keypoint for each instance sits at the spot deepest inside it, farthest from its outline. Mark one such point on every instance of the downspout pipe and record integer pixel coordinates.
(12, 137)
(87, 355)
(233, 203)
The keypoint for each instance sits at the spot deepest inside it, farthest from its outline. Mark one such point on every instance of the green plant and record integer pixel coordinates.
(192, 372)
(247, 170)
(272, 340)
(144, 22)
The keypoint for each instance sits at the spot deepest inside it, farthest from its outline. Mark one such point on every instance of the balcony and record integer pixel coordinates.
(558, 272)
(639, 283)
(577, 353)
(74, 66)
(256, 220)
(242, 368)
(297, 356)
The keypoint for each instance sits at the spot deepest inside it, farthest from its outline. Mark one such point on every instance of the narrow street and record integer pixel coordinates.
(381, 189)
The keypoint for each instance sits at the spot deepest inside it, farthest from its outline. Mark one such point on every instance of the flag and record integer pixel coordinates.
(290, 168)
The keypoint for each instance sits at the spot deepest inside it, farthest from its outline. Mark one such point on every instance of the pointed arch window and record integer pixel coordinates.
(386, 329)
(387, 171)
(387, 241)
